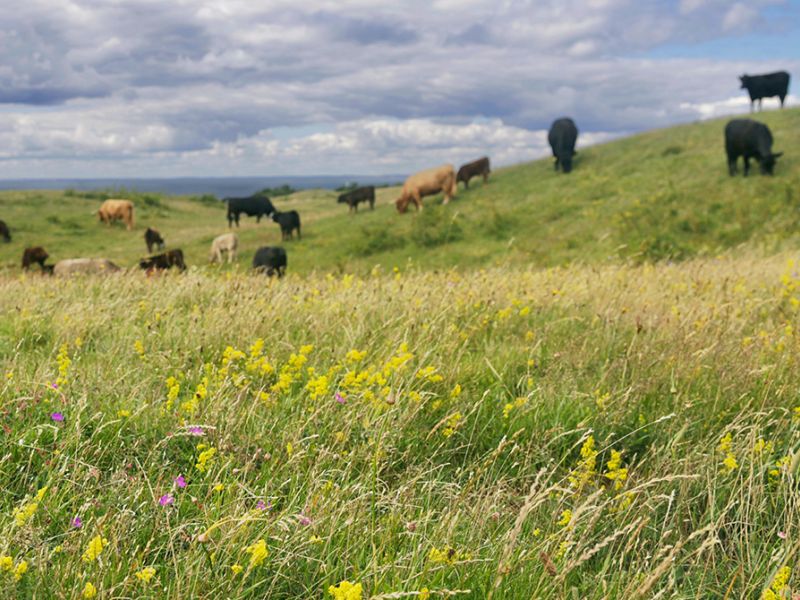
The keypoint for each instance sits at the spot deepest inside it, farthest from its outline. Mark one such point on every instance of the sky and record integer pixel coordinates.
(168, 88)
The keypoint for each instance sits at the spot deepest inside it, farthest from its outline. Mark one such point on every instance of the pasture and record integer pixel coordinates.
(579, 386)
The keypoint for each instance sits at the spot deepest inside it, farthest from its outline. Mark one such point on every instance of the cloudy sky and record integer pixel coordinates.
(158, 88)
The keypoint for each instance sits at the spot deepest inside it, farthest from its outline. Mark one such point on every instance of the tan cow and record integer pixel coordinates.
(427, 183)
(227, 242)
(86, 266)
(113, 210)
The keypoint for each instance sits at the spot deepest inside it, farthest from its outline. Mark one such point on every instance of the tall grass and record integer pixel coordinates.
(420, 434)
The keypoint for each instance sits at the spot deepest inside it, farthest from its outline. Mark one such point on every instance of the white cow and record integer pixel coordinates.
(227, 242)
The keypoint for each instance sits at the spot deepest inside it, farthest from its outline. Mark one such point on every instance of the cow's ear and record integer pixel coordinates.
(741, 77)
(777, 155)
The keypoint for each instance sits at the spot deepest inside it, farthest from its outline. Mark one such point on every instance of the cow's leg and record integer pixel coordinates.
(555, 166)
(782, 99)
(417, 200)
(258, 218)
(760, 104)
(731, 165)
(746, 165)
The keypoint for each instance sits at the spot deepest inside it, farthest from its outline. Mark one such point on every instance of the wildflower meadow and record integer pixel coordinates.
(615, 431)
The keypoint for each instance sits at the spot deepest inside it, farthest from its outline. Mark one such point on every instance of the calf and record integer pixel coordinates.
(4, 232)
(163, 261)
(152, 238)
(270, 260)
(749, 139)
(37, 254)
(470, 170)
(226, 243)
(765, 86)
(562, 137)
(252, 206)
(289, 221)
(362, 194)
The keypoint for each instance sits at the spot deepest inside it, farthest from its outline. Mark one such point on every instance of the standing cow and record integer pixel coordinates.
(562, 137)
(427, 183)
(252, 206)
(750, 139)
(35, 255)
(765, 86)
(289, 221)
(227, 243)
(116, 210)
(270, 260)
(153, 239)
(473, 169)
(362, 194)
(4, 232)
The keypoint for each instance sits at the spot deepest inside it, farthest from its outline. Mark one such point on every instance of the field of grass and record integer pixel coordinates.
(661, 195)
(579, 387)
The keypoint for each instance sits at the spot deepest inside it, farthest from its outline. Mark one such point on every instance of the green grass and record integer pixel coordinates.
(661, 195)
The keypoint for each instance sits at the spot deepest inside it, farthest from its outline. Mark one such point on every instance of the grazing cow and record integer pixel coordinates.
(163, 261)
(152, 238)
(562, 137)
(270, 260)
(87, 266)
(4, 232)
(427, 183)
(750, 139)
(252, 206)
(765, 86)
(116, 210)
(362, 194)
(37, 254)
(226, 243)
(289, 221)
(470, 170)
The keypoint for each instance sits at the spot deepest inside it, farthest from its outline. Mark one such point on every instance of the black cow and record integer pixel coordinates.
(289, 221)
(362, 194)
(270, 260)
(4, 232)
(562, 137)
(163, 261)
(472, 169)
(750, 139)
(30, 256)
(153, 238)
(765, 86)
(252, 206)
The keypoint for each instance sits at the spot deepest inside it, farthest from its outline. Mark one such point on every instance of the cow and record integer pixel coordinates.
(562, 136)
(37, 254)
(87, 266)
(116, 210)
(252, 206)
(152, 238)
(4, 232)
(427, 183)
(470, 170)
(362, 194)
(749, 139)
(226, 243)
(289, 221)
(163, 261)
(765, 86)
(270, 260)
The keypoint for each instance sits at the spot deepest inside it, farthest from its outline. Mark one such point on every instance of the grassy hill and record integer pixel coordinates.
(664, 194)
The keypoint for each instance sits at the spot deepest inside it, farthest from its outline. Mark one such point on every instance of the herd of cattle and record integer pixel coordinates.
(744, 138)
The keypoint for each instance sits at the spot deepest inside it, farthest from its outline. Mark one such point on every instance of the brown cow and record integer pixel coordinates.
(427, 183)
(472, 169)
(163, 261)
(113, 210)
(37, 254)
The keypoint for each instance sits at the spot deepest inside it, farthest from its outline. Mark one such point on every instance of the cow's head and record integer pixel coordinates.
(566, 162)
(402, 204)
(768, 164)
(341, 199)
(744, 79)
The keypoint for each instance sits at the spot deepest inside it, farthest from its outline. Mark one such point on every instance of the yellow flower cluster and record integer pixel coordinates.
(616, 472)
(346, 591)
(586, 469)
(146, 574)
(511, 406)
(64, 362)
(206, 457)
(566, 518)
(138, 346)
(292, 370)
(89, 591)
(201, 392)
(447, 555)
(452, 424)
(318, 387)
(429, 374)
(7, 566)
(173, 390)
(729, 463)
(355, 356)
(258, 552)
(399, 361)
(257, 362)
(25, 513)
(94, 549)
(781, 466)
(779, 584)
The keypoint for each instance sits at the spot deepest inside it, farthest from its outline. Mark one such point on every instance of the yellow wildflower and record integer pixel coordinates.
(237, 568)
(355, 356)
(345, 591)
(585, 470)
(456, 391)
(616, 472)
(452, 424)
(146, 574)
(315, 539)
(219, 487)
(424, 594)
(94, 549)
(138, 346)
(779, 585)
(89, 591)
(566, 518)
(205, 459)
(123, 413)
(20, 570)
(258, 552)
(6, 563)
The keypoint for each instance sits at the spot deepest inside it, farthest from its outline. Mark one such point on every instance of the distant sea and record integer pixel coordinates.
(190, 186)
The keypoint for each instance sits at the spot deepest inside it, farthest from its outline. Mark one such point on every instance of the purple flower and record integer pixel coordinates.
(77, 523)
(180, 481)
(57, 416)
(54, 386)
(304, 520)
(261, 505)
(196, 431)
(782, 535)
(339, 398)
(166, 500)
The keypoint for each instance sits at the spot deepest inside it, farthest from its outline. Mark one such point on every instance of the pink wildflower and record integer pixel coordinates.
(261, 505)
(196, 431)
(304, 520)
(166, 500)
(782, 535)
(76, 522)
(57, 416)
(180, 481)
(339, 398)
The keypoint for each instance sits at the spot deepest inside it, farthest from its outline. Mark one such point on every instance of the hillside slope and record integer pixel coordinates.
(664, 194)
